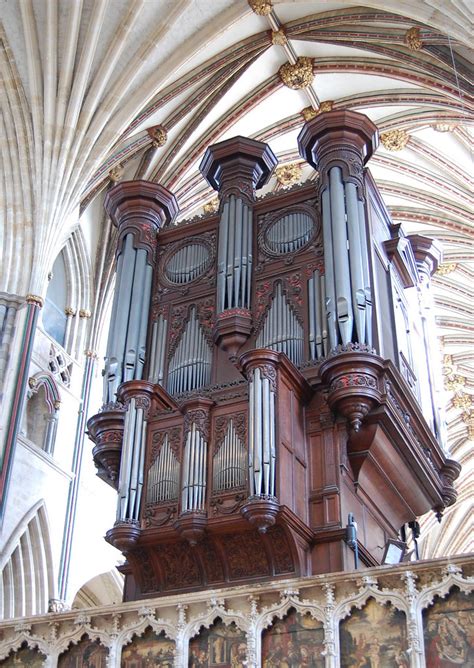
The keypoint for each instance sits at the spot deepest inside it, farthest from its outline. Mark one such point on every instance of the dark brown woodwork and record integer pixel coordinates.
(350, 434)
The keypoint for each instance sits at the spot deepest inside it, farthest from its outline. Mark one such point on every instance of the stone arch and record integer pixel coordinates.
(42, 407)
(26, 571)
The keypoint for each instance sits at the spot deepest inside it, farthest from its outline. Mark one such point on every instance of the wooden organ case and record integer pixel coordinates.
(259, 381)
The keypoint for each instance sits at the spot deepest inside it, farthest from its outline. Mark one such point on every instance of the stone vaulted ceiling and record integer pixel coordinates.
(99, 90)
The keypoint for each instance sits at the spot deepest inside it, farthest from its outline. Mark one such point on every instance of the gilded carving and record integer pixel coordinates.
(279, 37)
(69, 311)
(261, 7)
(444, 127)
(298, 75)
(445, 269)
(413, 39)
(159, 136)
(85, 313)
(394, 140)
(287, 175)
(309, 113)
(212, 206)
(36, 300)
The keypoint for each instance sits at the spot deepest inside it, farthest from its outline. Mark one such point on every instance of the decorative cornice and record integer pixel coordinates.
(279, 37)
(260, 7)
(413, 39)
(287, 175)
(298, 75)
(35, 300)
(394, 140)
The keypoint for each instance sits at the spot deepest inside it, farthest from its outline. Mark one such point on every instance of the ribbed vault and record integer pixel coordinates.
(95, 91)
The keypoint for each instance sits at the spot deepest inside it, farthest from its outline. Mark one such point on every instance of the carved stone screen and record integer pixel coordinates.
(448, 627)
(374, 636)
(218, 646)
(87, 652)
(24, 657)
(148, 649)
(295, 640)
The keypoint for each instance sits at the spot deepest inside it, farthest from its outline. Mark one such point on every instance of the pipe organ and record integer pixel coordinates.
(259, 383)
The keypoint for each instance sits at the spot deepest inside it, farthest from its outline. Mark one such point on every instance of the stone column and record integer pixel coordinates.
(33, 305)
(338, 144)
(139, 209)
(236, 168)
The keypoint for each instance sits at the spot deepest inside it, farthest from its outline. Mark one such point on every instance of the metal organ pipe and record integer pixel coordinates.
(132, 462)
(190, 365)
(281, 329)
(365, 271)
(234, 255)
(342, 277)
(194, 474)
(355, 256)
(158, 348)
(163, 475)
(262, 449)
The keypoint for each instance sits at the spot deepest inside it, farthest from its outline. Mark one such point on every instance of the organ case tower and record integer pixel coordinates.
(266, 372)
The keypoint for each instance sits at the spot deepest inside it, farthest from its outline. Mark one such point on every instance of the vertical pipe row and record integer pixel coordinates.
(194, 474)
(125, 357)
(158, 349)
(229, 461)
(132, 462)
(342, 275)
(190, 366)
(317, 330)
(347, 281)
(262, 447)
(281, 329)
(234, 260)
(163, 475)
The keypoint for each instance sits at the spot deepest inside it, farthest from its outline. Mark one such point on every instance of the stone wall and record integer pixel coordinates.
(414, 615)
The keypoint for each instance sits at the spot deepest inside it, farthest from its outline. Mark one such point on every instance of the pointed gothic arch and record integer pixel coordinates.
(26, 567)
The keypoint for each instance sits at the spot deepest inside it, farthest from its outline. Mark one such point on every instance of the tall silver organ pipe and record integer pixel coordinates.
(193, 493)
(347, 283)
(234, 262)
(281, 329)
(190, 366)
(342, 278)
(158, 349)
(262, 450)
(132, 464)
(125, 355)
(163, 476)
(229, 462)
(318, 331)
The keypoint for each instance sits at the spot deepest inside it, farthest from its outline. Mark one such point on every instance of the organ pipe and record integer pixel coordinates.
(234, 260)
(281, 329)
(163, 475)
(190, 365)
(195, 469)
(125, 355)
(229, 462)
(262, 452)
(132, 461)
(342, 277)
